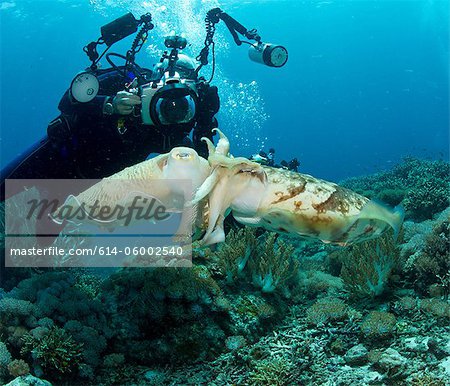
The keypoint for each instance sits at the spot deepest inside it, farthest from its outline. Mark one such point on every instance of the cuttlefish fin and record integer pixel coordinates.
(58, 216)
(73, 203)
(378, 211)
(186, 227)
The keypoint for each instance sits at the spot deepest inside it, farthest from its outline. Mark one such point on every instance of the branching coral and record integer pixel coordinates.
(273, 264)
(88, 283)
(235, 253)
(273, 372)
(432, 263)
(367, 266)
(427, 198)
(56, 351)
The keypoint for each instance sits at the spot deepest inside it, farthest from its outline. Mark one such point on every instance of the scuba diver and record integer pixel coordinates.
(268, 159)
(293, 164)
(115, 117)
(264, 158)
(271, 157)
(109, 133)
(260, 158)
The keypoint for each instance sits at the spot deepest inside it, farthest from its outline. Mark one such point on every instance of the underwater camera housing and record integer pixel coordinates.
(171, 100)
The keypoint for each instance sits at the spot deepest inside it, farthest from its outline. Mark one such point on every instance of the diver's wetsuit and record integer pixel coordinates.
(85, 143)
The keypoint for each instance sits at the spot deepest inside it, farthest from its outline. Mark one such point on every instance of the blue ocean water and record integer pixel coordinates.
(365, 85)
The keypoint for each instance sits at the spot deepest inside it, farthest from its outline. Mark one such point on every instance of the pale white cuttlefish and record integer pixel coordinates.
(170, 178)
(288, 202)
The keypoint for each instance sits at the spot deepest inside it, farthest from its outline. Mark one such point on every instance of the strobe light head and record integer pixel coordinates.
(84, 87)
(271, 55)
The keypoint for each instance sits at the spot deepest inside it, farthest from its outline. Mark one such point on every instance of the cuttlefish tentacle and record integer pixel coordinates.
(217, 207)
(205, 189)
(224, 188)
(210, 145)
(217, 160)
(223, 145)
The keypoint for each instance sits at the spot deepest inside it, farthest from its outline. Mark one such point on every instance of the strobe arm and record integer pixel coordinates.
(234, 26)
(268, 54)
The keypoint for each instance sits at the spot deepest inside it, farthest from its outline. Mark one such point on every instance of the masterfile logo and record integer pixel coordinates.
(92, 223)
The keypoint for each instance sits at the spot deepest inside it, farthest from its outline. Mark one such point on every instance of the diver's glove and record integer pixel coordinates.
(124, 102)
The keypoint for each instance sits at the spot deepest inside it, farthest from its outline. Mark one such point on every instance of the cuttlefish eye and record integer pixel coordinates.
(183, 155)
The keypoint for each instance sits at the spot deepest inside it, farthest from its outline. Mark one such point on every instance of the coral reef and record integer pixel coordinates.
(5, 359)
(326, 310)
(261, 309)
(426, 252)
(18, 367)
(432, 265)
(422, 186)
(170, 314)
(51, 310)
(267, 262)
(28, 380)
(272, 372)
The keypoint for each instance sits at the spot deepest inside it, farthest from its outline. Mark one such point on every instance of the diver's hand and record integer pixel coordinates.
(124, 102)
